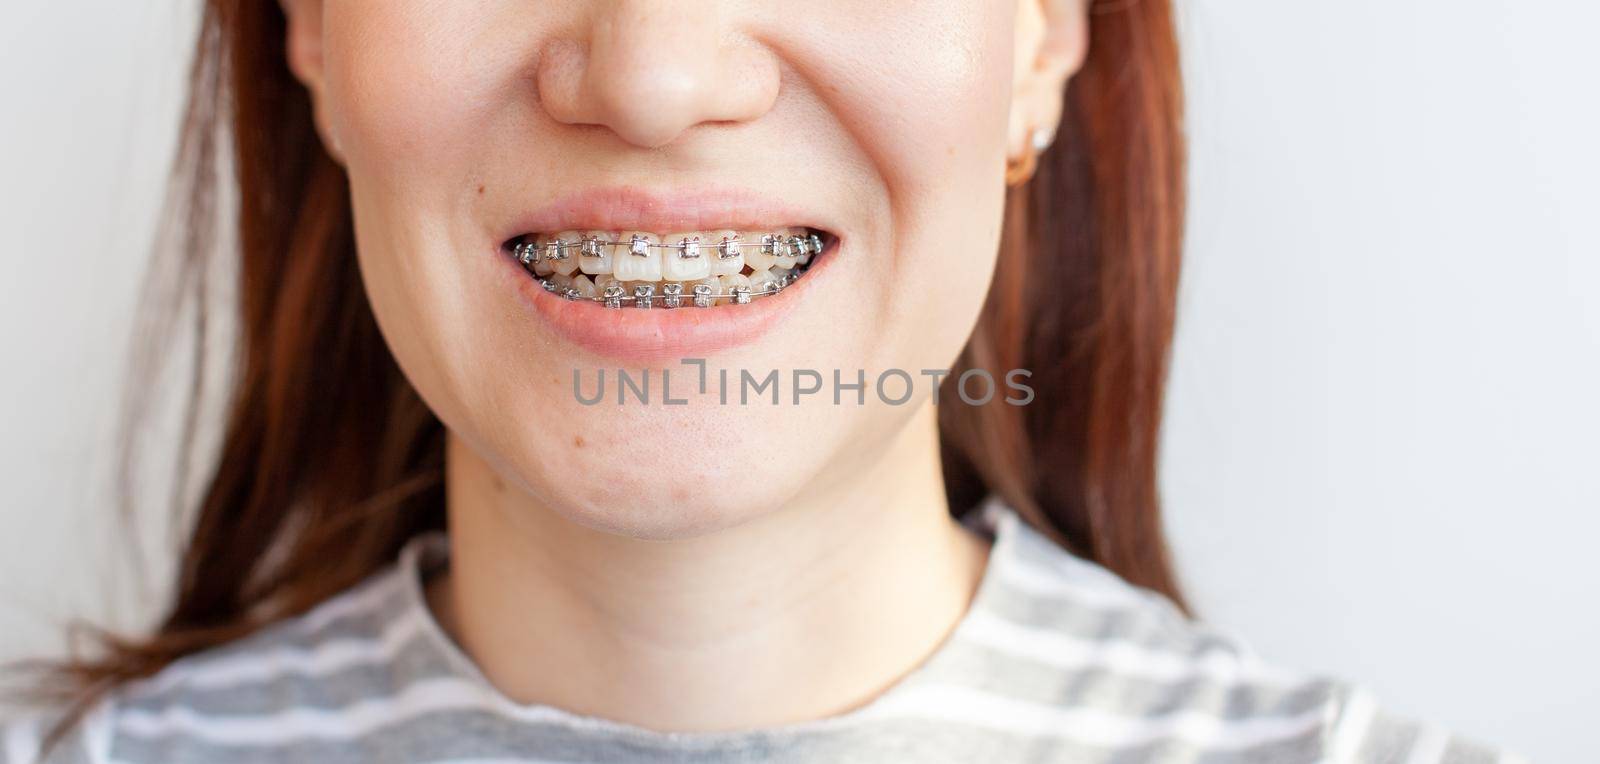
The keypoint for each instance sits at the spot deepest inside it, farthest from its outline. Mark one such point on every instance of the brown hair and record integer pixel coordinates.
(1085, 296)
(329, 460)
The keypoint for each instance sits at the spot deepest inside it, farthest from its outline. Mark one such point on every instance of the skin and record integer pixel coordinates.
(706, 567)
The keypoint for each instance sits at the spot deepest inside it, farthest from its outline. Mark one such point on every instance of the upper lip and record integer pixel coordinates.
(664, 210)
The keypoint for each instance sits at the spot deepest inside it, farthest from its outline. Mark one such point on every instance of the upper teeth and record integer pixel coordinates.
(638, 255)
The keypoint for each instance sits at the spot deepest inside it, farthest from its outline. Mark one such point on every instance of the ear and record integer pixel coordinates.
(1052, 41)
(303, 48)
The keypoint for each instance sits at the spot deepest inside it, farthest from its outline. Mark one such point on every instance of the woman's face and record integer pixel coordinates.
(882, 127)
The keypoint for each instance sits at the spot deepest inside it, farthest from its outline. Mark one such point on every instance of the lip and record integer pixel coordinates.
(663, 334)
(664, 211)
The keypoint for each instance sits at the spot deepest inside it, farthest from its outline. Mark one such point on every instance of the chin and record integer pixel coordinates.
(669, 473)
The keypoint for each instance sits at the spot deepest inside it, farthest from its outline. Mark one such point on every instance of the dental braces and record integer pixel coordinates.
(672, 294)
(530, 252)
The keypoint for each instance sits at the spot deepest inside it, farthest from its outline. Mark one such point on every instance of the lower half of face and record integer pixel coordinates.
(550, 199)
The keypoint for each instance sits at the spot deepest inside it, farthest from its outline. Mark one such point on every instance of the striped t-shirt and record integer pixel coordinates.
(1056, 660)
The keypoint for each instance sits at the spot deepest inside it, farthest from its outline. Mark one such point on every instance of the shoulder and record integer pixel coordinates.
(342, 652)
(1064, 635)
(1362, 732)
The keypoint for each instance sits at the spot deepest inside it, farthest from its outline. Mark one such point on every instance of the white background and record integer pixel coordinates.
(1381, 456)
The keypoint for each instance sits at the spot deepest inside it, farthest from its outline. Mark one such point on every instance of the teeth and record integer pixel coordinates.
(614, 294)
(763, 256)
(672, 295)
(814, 249)
(562, 252)
(526, 252)
(732, 284)
(702, 295)
(689, 248)
(541, 264)
(792, 247)
(644, 295)
(586, 288)
(595, 257)
(762, 280)
(705, 291)
(637, 258)
(639, 269)
(688, 257)
(561, 282)
(730, 253)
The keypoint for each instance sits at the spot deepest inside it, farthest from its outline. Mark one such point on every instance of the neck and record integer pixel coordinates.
(806, 611)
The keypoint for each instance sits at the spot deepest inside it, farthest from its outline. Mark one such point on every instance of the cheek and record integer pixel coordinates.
(932, 96)
(416, 91)
(413, 93)
(928, 102)
(409, 87)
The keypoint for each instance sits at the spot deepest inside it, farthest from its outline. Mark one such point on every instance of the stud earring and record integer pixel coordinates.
(1020, 170)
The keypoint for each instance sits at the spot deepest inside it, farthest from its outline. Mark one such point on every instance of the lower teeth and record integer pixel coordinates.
(672, 294)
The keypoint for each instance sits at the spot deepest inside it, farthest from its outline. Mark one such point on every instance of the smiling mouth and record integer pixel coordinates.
(639, 269)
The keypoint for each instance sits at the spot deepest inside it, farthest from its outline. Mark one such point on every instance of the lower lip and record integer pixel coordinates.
(662, 334)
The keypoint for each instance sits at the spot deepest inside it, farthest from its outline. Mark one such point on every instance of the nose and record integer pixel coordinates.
(651, 69)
